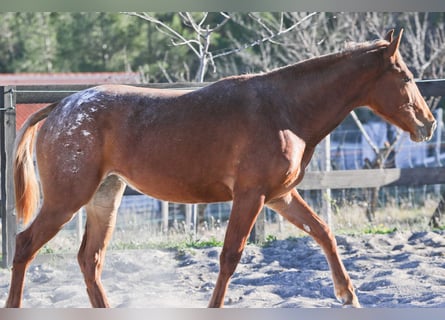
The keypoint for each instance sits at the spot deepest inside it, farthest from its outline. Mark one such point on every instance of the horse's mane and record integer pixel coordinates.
(354, 47)
(351, 49)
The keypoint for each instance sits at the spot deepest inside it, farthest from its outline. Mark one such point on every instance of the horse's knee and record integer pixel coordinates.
(228, 261)
(322, 235)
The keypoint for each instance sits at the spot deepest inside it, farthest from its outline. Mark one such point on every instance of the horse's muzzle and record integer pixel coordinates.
(425, 132)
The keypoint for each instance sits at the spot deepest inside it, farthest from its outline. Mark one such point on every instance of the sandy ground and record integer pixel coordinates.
(397, 270)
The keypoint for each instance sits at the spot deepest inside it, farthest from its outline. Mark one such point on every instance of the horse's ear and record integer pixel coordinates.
(394, 43)
(389, 36)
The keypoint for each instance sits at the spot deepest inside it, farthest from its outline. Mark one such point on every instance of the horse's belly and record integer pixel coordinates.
(180, 190)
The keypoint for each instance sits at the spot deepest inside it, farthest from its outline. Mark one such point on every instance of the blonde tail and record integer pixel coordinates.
(27, 193)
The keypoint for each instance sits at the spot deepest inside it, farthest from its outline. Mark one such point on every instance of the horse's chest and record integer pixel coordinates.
(292, 151)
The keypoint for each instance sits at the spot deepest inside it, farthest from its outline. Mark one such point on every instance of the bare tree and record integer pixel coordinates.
(425, 43)
(199, 44)
(202, 32)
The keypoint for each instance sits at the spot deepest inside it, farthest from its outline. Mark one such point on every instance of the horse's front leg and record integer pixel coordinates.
(298, 212)
(245, 209)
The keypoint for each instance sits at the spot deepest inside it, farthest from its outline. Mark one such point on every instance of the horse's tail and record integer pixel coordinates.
(27, 193)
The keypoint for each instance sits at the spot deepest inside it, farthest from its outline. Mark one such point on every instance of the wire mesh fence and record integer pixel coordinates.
(140, 221)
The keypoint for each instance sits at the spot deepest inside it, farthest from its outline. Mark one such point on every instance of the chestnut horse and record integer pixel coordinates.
(247, 139)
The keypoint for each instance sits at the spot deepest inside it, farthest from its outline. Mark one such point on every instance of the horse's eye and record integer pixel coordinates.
(406, 79)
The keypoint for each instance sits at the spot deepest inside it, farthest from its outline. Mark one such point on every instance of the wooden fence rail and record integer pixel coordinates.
(372, 178)
(340, 179)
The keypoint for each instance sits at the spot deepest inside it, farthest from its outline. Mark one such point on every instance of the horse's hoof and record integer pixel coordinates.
(354, 303)
(349, 299)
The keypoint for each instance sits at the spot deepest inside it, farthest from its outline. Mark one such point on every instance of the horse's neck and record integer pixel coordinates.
(323, 97)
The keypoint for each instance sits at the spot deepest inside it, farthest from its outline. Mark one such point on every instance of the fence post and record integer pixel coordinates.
(195, 219)
(439, 117)
(164, 212)
(326, 166)
(258, 233)
(79, 225)
(7, 132)
(188, 217)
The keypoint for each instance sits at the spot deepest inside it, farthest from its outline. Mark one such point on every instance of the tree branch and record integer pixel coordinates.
(264, 39)
(174, 33)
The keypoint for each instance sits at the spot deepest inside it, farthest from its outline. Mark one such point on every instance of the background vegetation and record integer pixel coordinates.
(203, 46)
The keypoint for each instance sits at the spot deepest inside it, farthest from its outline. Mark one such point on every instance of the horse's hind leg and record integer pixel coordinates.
(101, 219)
(45, 226)
(295, 209)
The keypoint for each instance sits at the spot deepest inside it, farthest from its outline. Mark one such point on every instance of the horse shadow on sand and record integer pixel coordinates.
(295, 267)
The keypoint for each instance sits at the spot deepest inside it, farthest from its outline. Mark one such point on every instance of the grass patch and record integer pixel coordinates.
(380, 229)
(270, 239)
(176, 244)
(441, 228)
(47, 250)
(212, 242)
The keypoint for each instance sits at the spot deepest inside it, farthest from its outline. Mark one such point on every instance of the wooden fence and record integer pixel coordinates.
(339, 179)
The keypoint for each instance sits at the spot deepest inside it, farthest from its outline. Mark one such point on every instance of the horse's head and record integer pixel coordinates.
(397, 99)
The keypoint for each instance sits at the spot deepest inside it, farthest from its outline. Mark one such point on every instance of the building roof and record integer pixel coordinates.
(69, 78)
